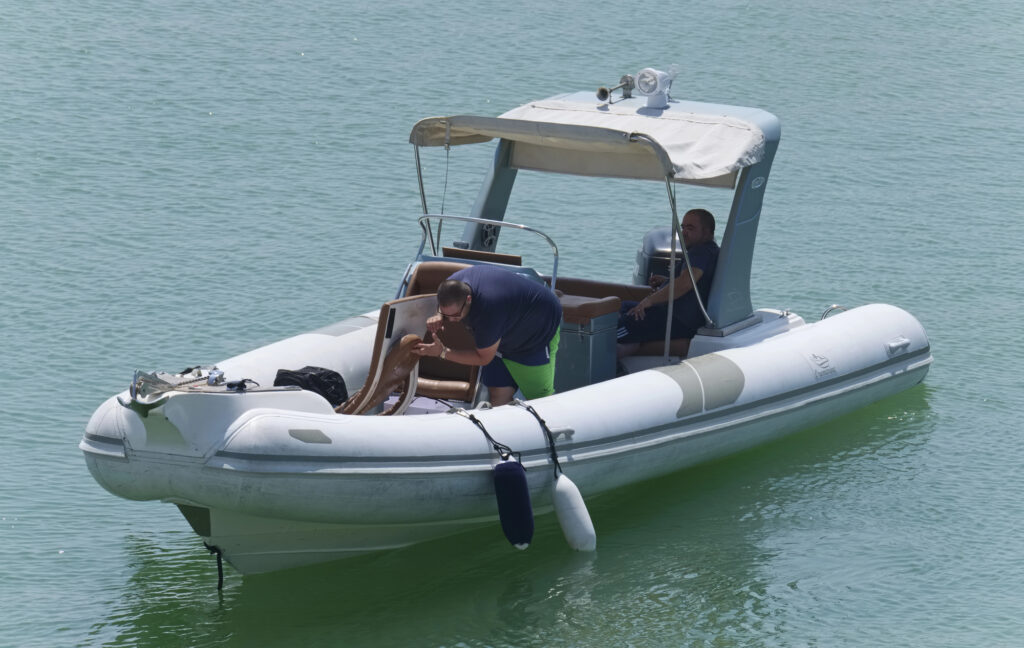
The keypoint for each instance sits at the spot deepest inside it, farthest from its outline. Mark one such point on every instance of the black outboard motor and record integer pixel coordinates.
(653, 255)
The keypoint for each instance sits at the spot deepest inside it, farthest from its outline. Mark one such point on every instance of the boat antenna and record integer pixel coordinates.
(444, 191)
(419, 178)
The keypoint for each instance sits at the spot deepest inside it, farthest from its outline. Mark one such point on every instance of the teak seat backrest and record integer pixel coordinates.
(399, 327)
(439, 378)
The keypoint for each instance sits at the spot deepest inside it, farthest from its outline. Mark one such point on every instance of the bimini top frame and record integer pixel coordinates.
(687, 142)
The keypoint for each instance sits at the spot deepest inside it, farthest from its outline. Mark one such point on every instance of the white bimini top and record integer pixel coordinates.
(687, 142)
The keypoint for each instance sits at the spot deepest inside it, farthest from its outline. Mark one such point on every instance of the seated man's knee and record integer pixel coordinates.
(623, 350)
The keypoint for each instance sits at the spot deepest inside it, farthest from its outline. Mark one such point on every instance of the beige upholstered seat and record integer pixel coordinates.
(601, 293)
(427, 276)
(577, 309)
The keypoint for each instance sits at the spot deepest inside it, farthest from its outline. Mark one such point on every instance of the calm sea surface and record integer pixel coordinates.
(181, 181)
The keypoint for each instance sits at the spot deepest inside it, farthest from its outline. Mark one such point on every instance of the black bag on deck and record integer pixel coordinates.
(325, 382)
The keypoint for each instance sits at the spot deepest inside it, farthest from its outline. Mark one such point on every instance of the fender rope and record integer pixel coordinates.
(547, 432)
(503, 450)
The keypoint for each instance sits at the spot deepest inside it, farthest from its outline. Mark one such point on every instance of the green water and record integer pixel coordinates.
(180, 182)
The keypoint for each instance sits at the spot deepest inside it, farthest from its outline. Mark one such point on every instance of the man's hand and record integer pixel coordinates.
(433, 349)
(656, 280)
(640, 310)
(435, 323)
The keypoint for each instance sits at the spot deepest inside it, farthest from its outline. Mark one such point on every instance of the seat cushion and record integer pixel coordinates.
(676, 347)
(427, 276)
(445, 389)
(577, 309)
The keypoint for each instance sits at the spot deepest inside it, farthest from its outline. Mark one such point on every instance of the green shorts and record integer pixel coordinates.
(535, 381)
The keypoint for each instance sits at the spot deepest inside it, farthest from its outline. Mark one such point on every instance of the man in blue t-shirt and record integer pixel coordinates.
(644, 321)
(514, 322)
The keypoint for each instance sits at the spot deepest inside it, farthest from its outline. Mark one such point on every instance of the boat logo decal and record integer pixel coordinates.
(757, 182)
(822, 366)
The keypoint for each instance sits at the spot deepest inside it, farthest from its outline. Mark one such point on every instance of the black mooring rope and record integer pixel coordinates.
(220, 564)
(503, 450)
(547, 432)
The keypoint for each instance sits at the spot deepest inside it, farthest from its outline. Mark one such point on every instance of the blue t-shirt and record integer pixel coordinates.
(705, 257)
(506, 306)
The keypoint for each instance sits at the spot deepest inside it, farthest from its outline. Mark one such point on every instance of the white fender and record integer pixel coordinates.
(573, 516)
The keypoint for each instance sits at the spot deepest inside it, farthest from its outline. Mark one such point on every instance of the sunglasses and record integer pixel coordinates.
(452, 317)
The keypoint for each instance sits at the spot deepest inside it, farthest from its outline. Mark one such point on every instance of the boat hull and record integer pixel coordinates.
(276, 479)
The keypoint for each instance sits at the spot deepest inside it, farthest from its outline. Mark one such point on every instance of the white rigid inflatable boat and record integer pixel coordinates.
(272, 477)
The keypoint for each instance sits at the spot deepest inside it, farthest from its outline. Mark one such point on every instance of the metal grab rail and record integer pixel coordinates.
(424, 222)
(833, 307)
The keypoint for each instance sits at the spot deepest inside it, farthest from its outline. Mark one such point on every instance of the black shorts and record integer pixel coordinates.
(651, 328)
